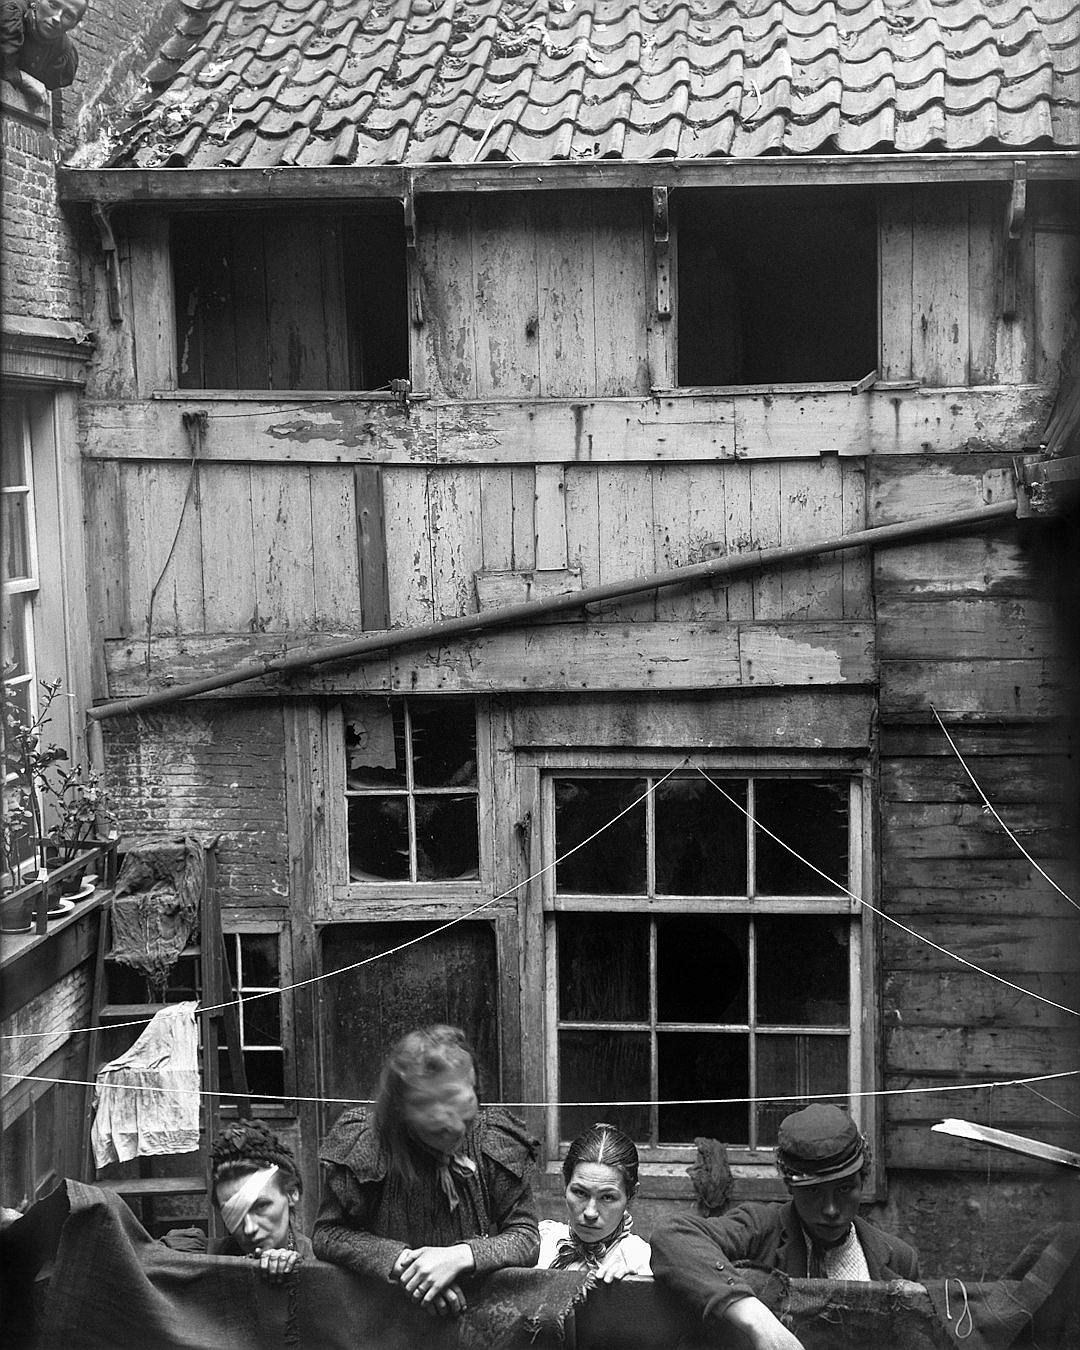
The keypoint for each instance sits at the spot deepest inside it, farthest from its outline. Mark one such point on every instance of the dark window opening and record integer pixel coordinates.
(776, 287)
(289, 300)
(452, 977)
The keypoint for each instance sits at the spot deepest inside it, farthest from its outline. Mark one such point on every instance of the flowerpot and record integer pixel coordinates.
(17, 910)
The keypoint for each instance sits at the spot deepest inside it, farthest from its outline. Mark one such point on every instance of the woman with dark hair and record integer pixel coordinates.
(257, 1186)
(433, 1188)
(601, 1175)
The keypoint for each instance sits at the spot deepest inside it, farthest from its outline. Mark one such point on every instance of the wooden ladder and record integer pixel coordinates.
(218, 1027)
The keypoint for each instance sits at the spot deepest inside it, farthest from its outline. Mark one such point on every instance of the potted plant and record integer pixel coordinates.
(51, 812)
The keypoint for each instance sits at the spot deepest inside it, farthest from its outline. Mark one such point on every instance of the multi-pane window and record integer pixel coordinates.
(411, 789)
(254, 965)
(693, 956)
(20, 575)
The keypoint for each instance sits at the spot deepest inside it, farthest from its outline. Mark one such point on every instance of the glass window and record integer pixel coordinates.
(695, 957)
(411, 790)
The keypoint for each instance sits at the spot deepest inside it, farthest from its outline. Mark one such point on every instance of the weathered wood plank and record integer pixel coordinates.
(550, 519)
(939, 285)
(970, 564)
(106, 560)
(281, 524)
(495, 590)
(564, 283)
(1009, 1107)
(295, 315)
(688, 510)
(335, 559)
(963, 998)
(568, 657)
(445, 256)
(738, 537)
(919, 1148)
(456, 542)
(973, 741)
(800, 653)
(1005, 778)
(620, 300)
(967, 829)
(626, 537)
(902, 873)
(975, 1051)
(1011, 947)
(497, 519)
(1056, 293)
(913, 489)
(684, 427)
(581, 507)
(765, 532)
(895, 299)
(158, 509)
(1007, 690)
(858, 602)
(152, 313)
(811, 507)
(408, 547)
(505, 300)
(1001, 350)
(228, 548)
(371, 546)
(975, 897)
(523, 505)
(703, 720)
(962, 629)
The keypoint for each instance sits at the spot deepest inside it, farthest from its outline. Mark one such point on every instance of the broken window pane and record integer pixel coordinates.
(700, 838)
(378, 838)
(443, 744)
(811, 1065)
(802, 971)
(260, 960)
(446, 838)
(606, 1067)
(603, 968)
(375, 744)
(614, 862)
(812, 819)
(701, 969)
(700, 1064)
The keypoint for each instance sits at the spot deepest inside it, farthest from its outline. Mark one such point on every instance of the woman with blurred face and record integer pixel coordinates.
(601, 1174)
(435, 1187)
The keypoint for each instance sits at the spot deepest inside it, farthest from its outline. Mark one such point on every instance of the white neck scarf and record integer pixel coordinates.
(234, 1210)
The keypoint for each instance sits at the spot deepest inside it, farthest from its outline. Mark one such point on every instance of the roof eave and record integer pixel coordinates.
(342, 183)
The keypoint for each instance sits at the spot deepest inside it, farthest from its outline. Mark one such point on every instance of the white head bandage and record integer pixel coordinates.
(234, 1210)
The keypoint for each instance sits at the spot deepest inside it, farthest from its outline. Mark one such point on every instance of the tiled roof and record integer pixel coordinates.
(258, 83)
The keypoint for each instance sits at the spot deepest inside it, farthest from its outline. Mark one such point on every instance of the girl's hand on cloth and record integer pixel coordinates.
(428, 1274)
(277, 1262)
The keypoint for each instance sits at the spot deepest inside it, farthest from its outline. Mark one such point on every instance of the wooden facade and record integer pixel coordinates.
(546, 444)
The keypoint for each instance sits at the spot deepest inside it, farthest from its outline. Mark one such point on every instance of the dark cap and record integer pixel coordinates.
(819, 1143)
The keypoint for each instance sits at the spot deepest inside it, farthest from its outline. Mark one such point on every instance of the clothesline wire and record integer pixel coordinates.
(391, 951)
(1050, 1102)
(689, 1101)
(866, 904)
(989, 806)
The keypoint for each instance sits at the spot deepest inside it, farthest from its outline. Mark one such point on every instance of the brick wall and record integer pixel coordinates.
(45, 1022)
(39, 273)
(212, 769)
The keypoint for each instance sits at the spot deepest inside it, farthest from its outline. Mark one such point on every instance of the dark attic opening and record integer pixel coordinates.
(776, 286)
(289, 300)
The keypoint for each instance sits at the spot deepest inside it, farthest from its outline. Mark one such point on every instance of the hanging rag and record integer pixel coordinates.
(155, 907)
(147, 1100)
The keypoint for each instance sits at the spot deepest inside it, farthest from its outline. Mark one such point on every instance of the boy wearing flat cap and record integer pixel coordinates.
(822, 1158)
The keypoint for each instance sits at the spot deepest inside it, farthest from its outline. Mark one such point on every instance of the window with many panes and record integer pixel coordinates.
(691, 955)
(20, 577)
(411, 792)
(255, 968)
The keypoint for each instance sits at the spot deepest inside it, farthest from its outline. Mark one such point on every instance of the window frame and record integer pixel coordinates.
(754, 1165)
(351, 901)
(844, 386)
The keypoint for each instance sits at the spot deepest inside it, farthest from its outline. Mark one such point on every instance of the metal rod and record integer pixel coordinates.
(512, 615)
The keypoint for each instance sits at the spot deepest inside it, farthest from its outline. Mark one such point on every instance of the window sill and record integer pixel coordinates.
(283, 396)
(848, 387)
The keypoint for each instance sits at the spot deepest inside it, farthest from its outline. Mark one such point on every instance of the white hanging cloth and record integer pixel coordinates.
(147, 1100)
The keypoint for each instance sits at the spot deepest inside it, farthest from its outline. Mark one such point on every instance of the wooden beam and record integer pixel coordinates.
(556, 656)
(350, 183)
(674, 426)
